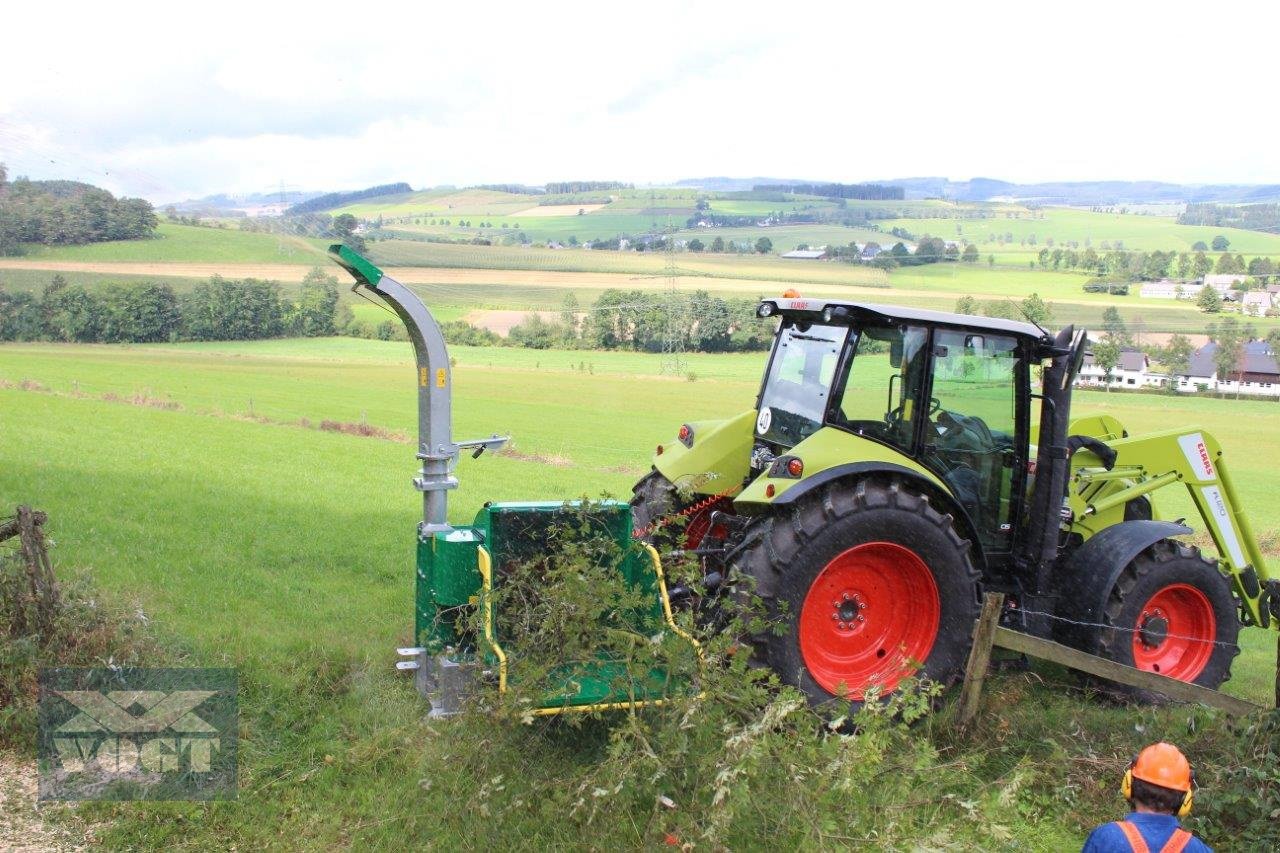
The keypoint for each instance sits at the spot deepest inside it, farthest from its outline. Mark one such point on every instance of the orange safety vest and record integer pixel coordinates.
(1175, 844)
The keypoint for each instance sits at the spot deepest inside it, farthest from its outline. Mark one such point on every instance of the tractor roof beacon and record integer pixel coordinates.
(894, 464)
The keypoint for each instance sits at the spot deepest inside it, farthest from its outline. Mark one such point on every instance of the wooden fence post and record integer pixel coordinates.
(975, 672)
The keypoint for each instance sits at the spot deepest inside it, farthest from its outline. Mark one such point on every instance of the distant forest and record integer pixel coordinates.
(1254, 217)
(585, 186)
(332, 200)
(62, 213)
(868, 192)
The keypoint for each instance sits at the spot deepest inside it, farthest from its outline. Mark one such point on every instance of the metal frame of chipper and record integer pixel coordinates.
(458, 567)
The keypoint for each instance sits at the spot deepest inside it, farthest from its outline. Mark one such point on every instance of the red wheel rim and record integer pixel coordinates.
(870, 618)
(1175, 633)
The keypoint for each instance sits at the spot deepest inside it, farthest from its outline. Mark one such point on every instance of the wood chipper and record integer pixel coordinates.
(459, 568)
(891, 471)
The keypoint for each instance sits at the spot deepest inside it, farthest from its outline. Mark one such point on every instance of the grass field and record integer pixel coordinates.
(195, 496)
(1088, 228)
(177, 243)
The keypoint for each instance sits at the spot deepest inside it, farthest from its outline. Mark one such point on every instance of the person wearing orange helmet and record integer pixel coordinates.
(1159, 786)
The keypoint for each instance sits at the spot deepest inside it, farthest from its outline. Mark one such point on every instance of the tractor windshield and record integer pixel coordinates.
(882, 387)
(798, 387)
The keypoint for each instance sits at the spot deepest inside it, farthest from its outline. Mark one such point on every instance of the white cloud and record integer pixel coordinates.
(169, 101)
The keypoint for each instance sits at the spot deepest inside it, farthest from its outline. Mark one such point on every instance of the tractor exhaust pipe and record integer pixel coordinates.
(1040, 551)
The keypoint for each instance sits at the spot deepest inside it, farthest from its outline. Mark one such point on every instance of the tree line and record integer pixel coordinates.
(61, 213)
(1152, 266)
(1254, 217)
(217, 310)
(558, 187)
(632, 320)
(331, 200)
(869, 192)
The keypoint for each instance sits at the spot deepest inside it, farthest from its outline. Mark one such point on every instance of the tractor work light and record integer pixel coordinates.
(787, 466)
(766, 309)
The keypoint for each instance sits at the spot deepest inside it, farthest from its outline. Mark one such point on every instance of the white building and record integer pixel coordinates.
(1223, 282)
(1170, 289)
(1257, 373)
(1133, 371)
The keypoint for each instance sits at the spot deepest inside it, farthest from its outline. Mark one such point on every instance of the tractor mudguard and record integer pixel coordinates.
(715, 459)
(1084, 583)
(852, 471)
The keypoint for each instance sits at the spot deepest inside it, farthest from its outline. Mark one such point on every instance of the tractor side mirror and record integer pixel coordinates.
(895, 353)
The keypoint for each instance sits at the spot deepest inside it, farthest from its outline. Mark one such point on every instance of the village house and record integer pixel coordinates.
(1132, 371)
(1256, 303)
(1170, 289)
(1224, 282)
(1256, 374)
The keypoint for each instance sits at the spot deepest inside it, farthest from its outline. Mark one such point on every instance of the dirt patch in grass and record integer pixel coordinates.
(24, 828)
(552, 459)
(142, 398)
(502, 322)
(366, 430)
(557, 210)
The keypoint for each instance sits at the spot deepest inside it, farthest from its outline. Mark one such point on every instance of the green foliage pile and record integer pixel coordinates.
(63, 213)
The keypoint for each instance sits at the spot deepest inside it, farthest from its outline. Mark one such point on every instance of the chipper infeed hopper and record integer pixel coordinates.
(459, 568)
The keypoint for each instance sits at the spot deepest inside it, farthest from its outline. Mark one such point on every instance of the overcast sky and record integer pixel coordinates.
(177, 100)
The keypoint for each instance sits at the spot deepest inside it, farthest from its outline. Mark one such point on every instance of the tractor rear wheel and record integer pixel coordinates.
(1171, 611)
(871, 584)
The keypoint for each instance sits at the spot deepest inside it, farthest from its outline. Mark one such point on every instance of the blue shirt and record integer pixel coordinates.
(1154, 828)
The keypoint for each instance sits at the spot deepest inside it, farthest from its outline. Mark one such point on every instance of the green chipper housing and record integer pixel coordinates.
(897, 465)
(459, 568)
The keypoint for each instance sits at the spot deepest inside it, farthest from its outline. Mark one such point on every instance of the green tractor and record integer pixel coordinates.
(894, 468)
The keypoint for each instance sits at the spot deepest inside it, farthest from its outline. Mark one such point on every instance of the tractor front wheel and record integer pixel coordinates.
(1172, 612)
(871, 583)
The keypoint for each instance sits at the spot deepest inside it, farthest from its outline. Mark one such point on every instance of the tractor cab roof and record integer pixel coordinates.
(844, 312)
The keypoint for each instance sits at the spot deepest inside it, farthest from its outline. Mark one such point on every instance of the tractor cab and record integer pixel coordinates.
(945, 393)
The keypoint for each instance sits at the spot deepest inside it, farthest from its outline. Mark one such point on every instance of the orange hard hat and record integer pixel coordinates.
(1163, 764)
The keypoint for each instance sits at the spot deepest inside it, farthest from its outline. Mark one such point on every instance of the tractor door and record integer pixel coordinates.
(971, 433)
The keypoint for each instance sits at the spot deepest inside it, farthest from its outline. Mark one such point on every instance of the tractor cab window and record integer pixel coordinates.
(885, 380)
(969, 438)
(798, 387)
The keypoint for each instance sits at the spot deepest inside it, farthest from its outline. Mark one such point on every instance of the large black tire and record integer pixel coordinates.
(887, 538)
(653, 499)
(1195, 641)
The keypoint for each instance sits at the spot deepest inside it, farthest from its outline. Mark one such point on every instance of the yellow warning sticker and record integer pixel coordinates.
(440, 377)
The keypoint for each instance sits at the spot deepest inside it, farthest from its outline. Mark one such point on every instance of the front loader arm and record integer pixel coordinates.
(1194, 458)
